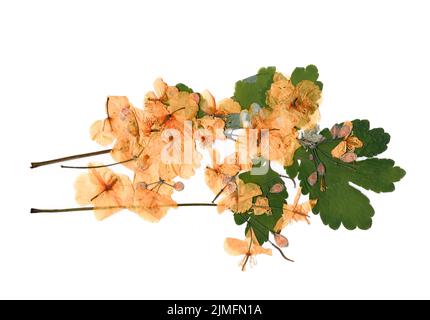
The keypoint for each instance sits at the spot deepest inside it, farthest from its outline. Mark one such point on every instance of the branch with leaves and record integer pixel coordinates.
(271, 118)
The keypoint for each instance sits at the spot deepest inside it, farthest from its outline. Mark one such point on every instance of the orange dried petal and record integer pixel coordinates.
(101, 132)
(339, 150)
(261, 206)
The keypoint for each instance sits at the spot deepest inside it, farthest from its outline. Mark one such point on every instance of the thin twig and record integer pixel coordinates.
(280, 251)
(77, 156)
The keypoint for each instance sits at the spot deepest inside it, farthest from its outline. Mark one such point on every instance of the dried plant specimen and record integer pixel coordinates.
(272, 118)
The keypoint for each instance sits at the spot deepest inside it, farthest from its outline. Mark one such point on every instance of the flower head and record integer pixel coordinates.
(249, 248)
(295, 212)
(106, 190)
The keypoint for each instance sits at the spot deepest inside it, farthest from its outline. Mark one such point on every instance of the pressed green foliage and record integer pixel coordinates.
(341, 202)
(253, 89)
(309, 73)
(263, 224)
(375, 140)
(183, 87)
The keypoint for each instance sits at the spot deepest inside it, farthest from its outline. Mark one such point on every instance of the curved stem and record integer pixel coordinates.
(77, 156)
(280, 251)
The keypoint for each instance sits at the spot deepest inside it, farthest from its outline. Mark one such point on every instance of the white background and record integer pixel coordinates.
(59, 61)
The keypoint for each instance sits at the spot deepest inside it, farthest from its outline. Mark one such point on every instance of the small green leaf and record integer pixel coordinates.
(253, 89)
(263, 224)
(241, 218)
(183, 87)
(309, 73)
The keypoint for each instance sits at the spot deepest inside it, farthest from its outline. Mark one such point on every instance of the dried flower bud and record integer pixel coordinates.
(321, 169)
(231, 187)
(348, 157)
(312, 179)
(345, 131)
(125, 114)
(195, 97)
(335, 131)
(178, 186)
(281, 241)
(277, 188)
(311, 157)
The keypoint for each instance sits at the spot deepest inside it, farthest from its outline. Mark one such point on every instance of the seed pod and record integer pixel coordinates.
(281, 241)
(344, 131)
(348, 157)
(231, 187)
(277, 188)
(178, 186)
(335, 131)
(312, 179)
(321, 169)
(195, 97)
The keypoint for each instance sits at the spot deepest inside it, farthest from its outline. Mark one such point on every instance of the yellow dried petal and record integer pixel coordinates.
(160, 88)
(104, 189)
(151, 205)
(353, 143)
(101, 132)
(261, 206)
(236, 247)
(228, 106)
(240, 200)
(207, 103)
(339, 150)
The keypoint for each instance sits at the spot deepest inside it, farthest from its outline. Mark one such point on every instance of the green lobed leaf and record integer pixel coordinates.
(341, 202)
(309, 73)
(263, 224)
(253, 89)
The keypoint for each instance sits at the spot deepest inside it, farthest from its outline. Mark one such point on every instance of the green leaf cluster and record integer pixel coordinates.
(339, 199)
(263, 224)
